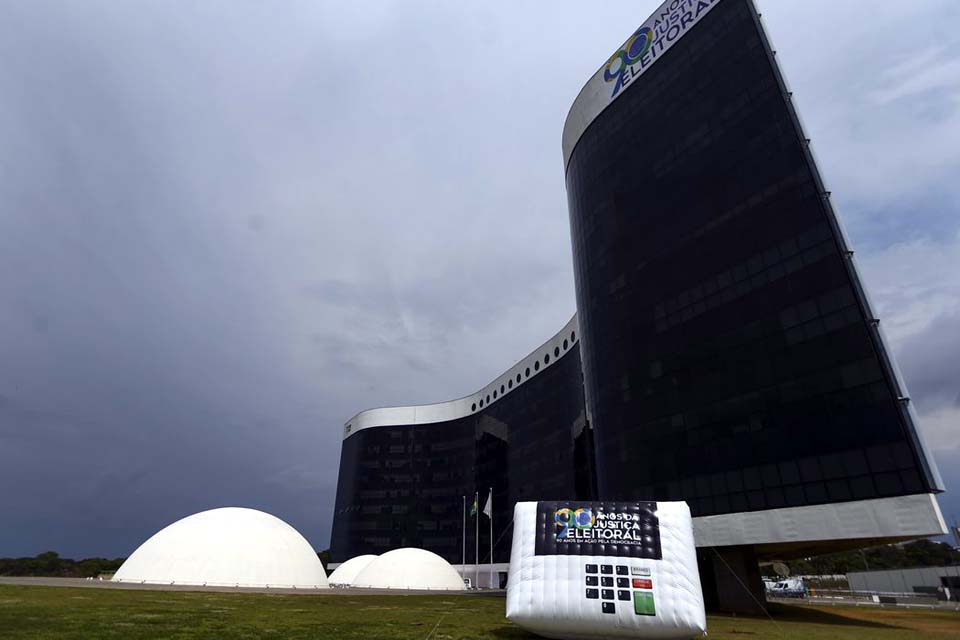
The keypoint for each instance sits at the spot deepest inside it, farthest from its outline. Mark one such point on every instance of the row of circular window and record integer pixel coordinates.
(526, 373)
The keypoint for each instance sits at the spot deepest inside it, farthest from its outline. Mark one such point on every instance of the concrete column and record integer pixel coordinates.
(730, 577)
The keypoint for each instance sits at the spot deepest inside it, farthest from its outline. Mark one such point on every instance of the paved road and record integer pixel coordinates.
(106, 584)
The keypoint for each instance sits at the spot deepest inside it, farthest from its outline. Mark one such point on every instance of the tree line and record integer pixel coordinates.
(919, 553)
(50, 564)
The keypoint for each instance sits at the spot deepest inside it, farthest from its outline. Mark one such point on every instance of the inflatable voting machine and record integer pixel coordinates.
(605, 570)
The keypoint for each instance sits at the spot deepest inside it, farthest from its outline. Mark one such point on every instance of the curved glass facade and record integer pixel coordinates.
(730, 358)
(403, 485)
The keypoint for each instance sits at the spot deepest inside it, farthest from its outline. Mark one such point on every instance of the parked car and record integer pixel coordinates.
(787, 588)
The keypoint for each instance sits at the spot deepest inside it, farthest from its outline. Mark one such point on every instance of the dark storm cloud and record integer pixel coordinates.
(226, 228)
(224, 233)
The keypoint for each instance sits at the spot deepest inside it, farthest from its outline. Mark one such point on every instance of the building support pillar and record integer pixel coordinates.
(731, 581)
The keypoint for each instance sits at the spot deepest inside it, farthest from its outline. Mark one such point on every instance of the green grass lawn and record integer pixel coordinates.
(58, 612)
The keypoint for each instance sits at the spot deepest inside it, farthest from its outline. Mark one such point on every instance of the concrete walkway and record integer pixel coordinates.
(106, 584)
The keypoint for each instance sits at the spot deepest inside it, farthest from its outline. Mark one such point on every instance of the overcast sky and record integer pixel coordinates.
(226, 227)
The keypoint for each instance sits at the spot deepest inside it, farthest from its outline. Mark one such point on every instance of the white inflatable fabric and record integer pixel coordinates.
(581, 570)
(346, 573)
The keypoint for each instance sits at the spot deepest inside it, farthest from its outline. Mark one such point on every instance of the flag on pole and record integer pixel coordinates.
(488, 511)
(476, 541)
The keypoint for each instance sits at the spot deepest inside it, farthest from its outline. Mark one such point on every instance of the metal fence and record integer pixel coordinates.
(871, 598)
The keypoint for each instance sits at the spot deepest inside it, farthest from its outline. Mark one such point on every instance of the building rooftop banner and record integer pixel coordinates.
(668, 24)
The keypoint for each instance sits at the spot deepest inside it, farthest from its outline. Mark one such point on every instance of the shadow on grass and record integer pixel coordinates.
(512, 631)
(779, 612)
(810, 615)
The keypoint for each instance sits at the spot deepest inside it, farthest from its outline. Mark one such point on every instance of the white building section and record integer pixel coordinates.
(666, 26)
(544, 356)
(346, 572)
(881, 519)
(409, 569)
(232, 547)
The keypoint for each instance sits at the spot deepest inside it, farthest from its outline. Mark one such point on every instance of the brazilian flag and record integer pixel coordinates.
(473, 509)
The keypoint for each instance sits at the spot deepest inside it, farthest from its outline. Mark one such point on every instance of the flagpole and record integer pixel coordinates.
(490, 501)
(463, 558)
(476, 540)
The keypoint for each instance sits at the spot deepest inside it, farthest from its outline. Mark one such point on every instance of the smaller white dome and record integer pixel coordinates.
(347, 572)
(409, 569)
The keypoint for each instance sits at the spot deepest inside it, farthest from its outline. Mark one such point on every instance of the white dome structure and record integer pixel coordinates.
(409, 569)
(226, 547)
(347, 572)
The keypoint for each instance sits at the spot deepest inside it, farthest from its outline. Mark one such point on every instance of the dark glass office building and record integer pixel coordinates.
(730, 356)
(404, 471)
(726, 341)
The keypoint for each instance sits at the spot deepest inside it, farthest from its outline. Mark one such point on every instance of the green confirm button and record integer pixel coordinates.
(643, 603)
